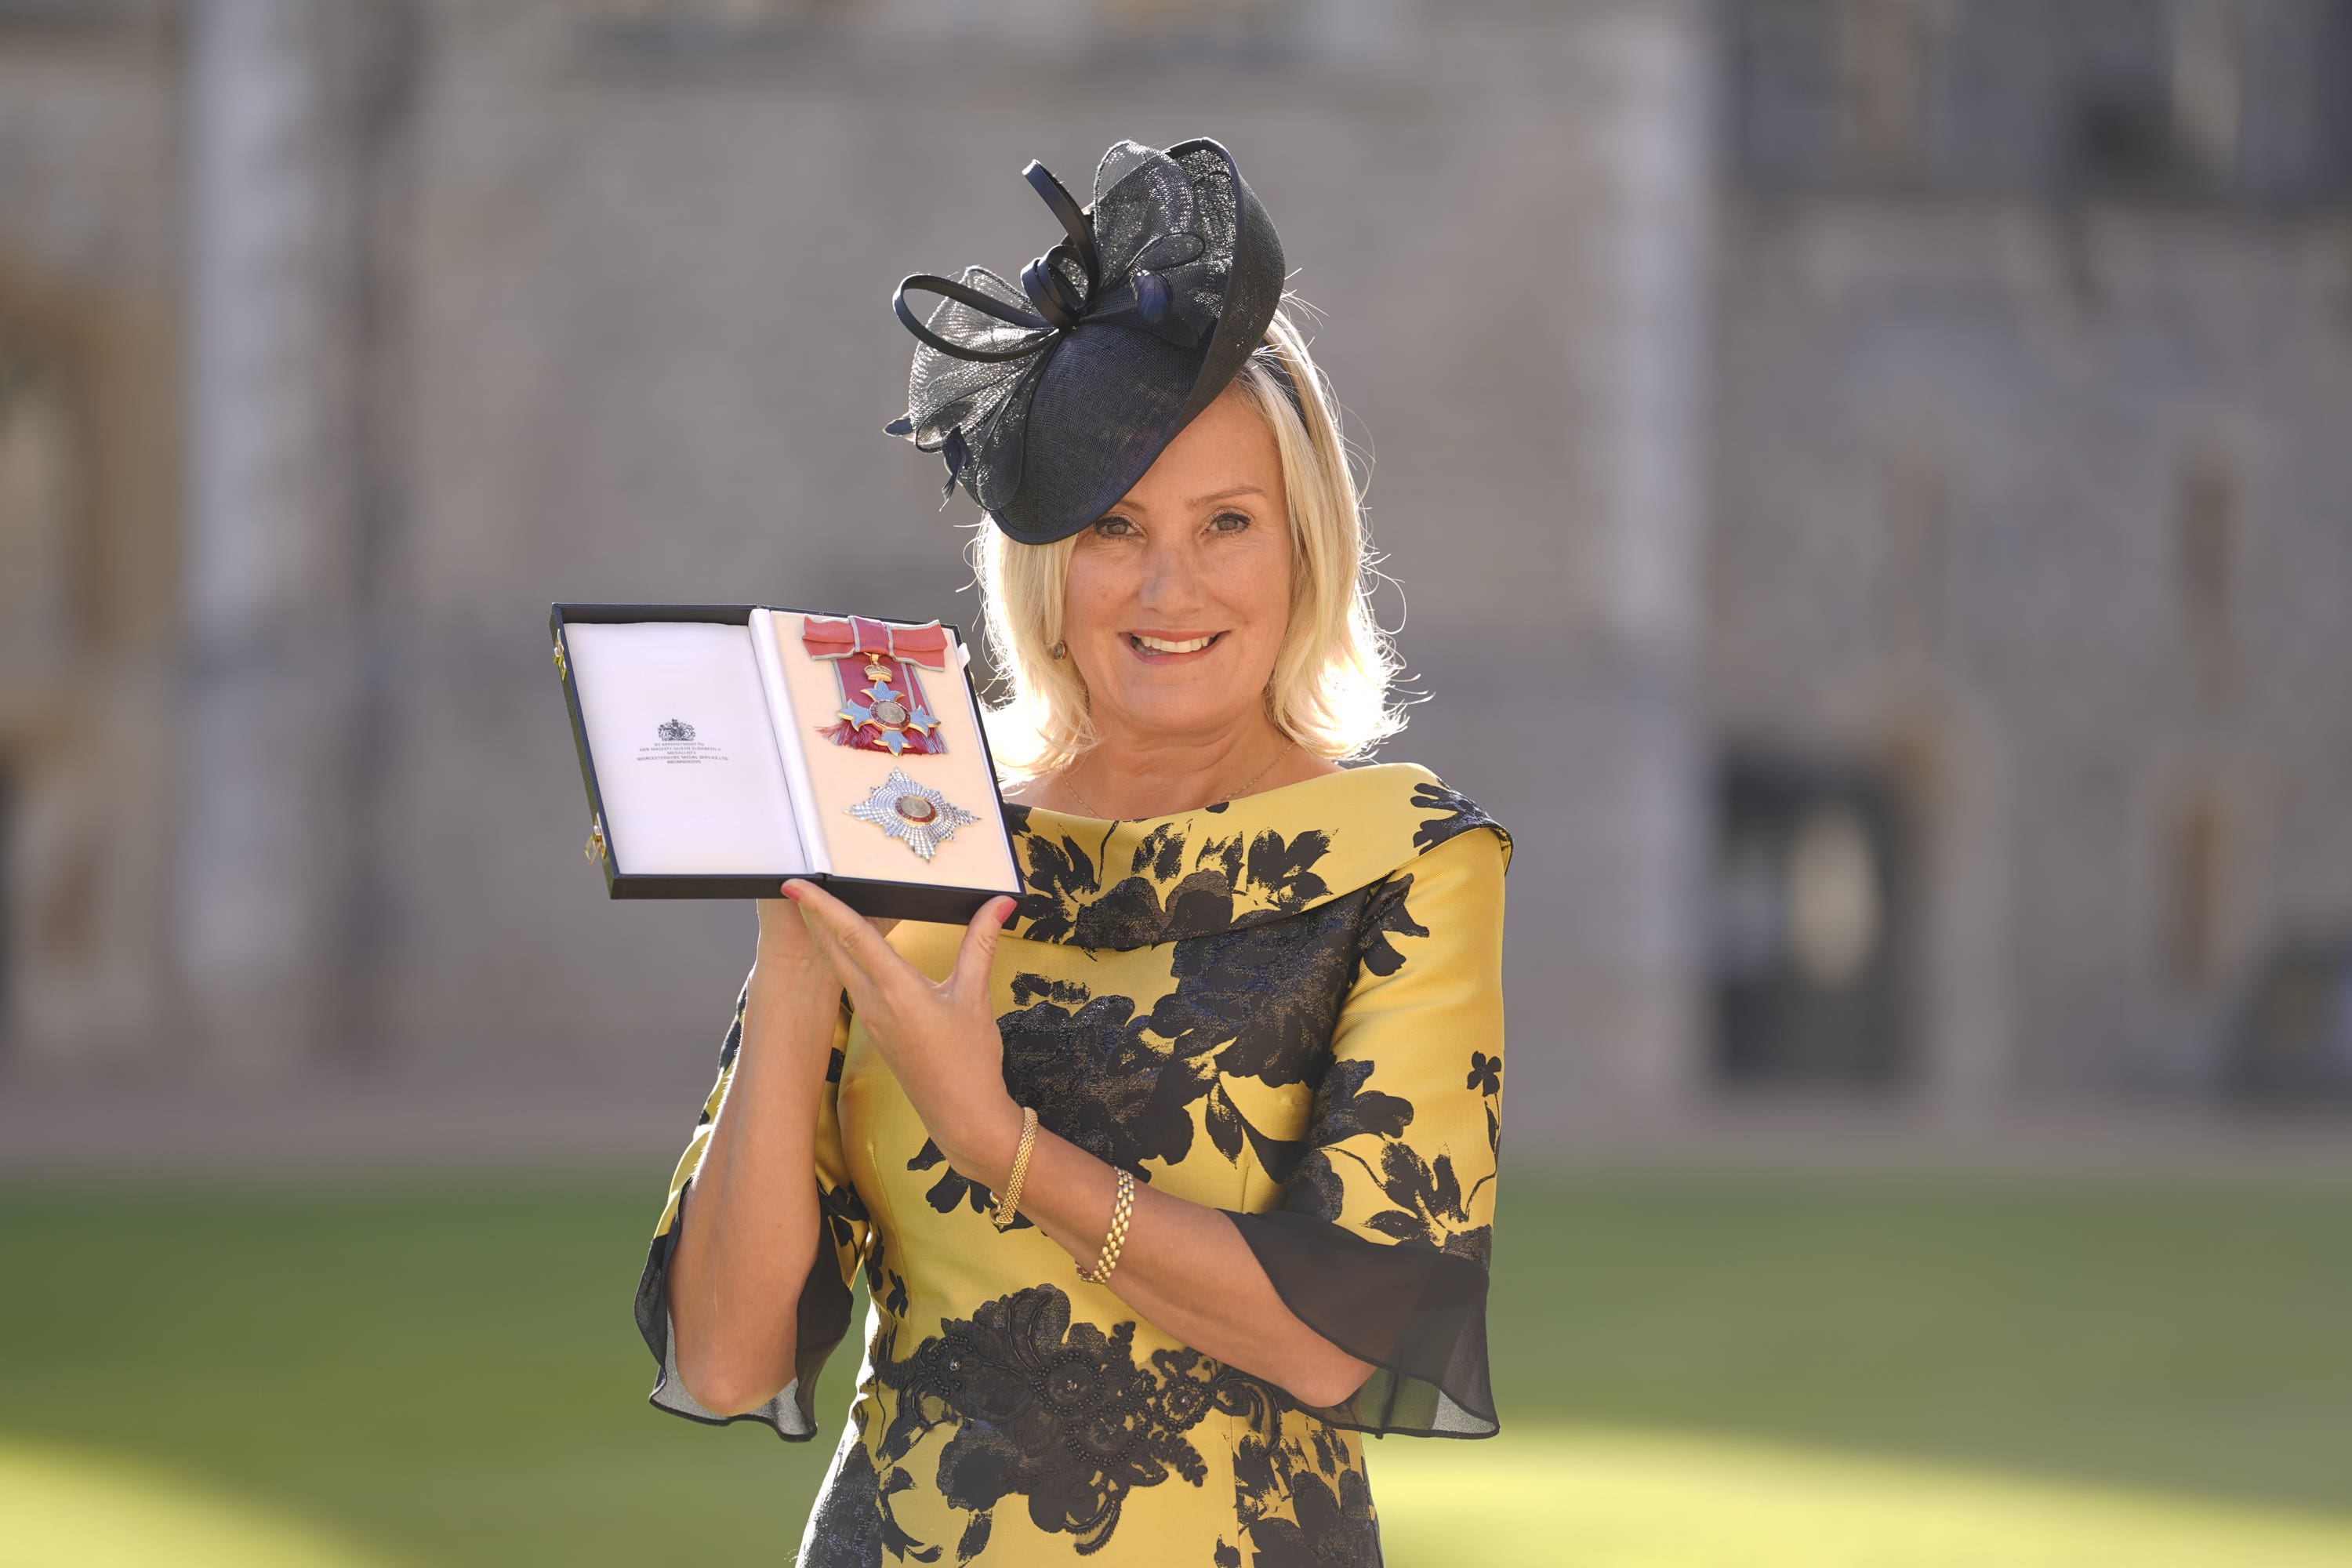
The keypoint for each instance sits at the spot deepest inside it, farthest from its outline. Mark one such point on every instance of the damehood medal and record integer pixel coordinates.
(916, 815)
(882, 706)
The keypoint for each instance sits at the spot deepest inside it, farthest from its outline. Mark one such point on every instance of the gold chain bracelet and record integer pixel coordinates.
(1120, 1211)
(1008, 1207)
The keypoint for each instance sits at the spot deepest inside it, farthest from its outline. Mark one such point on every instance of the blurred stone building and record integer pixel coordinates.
(1868, 477)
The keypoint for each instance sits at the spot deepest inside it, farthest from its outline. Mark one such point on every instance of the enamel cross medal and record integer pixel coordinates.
(882, 707)
(887, 713)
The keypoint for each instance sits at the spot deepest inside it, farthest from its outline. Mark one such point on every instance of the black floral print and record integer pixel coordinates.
(1261, 1002)
(1329, 1522)
(729, 1045)
(1260, 1006)
(1055, 1411)
(954, 1188)
(1171, 890)
(843, 1212)
(1385, 919)
(1486, 1078)
(883, 1282)
(1301, 1498)
(1094, 1079)
(846, 1528)
(1058, 875)
(1429, 1200)
(1460, 815)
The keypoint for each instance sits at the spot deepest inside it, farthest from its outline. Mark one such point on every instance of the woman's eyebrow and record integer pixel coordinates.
(1131, 504)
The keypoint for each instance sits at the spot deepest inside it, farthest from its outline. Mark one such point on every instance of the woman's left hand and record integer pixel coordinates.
(939, 1036)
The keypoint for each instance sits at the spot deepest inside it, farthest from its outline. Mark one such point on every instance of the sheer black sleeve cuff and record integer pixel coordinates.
(823, 1320)
(1417, 1314)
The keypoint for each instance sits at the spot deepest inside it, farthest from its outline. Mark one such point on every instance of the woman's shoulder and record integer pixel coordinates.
(1435, 811)
(1232, 863)
(1390, 811)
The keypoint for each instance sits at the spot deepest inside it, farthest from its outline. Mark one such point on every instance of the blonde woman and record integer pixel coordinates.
(1175, 1179)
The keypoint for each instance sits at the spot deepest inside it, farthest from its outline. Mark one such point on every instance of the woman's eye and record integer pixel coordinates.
(1114, 527)
(1230, 521)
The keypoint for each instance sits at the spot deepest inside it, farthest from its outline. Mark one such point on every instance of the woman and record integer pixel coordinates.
(1170, 1182)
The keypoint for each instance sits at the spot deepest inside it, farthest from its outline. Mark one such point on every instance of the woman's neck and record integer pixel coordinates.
(1131, 776)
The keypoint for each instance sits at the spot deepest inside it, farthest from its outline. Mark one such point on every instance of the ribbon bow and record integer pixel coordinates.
(1154, 253)
(827, 637)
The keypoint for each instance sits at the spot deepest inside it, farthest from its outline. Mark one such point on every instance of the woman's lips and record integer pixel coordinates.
(1158, 648)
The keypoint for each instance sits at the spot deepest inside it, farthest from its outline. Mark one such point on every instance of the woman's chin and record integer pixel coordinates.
(1196, 715)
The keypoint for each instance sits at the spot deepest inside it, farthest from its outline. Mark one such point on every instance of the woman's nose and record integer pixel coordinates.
(1171, 577)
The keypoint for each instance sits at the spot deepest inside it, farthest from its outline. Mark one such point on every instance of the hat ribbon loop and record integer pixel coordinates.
(1050, 291)
(1048, 287)
(963, 294)
(1059, 305)
(1074, 220)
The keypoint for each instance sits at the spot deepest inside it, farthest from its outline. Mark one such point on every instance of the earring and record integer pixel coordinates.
(1059, 650)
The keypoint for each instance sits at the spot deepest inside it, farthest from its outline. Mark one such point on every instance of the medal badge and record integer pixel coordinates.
(882, 705)
(916, 815)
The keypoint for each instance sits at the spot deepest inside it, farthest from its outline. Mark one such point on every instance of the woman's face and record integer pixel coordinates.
(1178, 596)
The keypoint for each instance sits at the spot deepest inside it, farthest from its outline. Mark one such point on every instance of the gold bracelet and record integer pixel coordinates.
(1008, 1207)
(1108, 1260)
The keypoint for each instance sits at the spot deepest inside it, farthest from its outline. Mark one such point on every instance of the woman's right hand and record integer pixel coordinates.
(784, 934)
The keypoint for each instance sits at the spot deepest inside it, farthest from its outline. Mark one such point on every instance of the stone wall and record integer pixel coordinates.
(1696, 430)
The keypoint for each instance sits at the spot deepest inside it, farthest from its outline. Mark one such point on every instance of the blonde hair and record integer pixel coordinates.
(1330, 687)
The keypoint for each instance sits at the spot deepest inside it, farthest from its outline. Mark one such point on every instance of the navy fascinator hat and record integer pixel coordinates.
(1048, 399)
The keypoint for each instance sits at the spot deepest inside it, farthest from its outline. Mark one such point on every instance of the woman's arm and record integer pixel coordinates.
(1184, 1266)
(736, 1275)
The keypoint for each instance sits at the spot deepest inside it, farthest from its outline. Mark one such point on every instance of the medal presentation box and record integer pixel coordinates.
(727, 747)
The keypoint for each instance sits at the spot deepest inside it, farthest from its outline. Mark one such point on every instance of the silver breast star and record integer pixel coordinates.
(915, 814)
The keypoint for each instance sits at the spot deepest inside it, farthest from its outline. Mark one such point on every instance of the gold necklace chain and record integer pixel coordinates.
(1079, 797)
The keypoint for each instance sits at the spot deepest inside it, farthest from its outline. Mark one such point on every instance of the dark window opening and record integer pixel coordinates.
(1810, 918)
(2158, 101)
(2292, 1040)
(2122, 140)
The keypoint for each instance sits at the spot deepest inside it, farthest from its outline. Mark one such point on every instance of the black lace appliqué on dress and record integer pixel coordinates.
(1054, 1411)
(1255, 1003)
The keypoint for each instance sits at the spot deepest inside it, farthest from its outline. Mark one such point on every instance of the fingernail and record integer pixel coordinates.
(791, 892)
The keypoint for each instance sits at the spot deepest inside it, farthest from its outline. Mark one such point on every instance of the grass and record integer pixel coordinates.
(1619, 1499)
(448, 1376)
(2197, 1340)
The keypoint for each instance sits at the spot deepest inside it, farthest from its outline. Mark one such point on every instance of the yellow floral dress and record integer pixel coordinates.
(1287, 1007)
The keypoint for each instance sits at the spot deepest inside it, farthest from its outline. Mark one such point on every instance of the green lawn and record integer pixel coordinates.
(1690, 1372)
